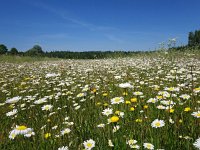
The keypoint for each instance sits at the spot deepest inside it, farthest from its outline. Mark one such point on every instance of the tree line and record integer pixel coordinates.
(36, 50)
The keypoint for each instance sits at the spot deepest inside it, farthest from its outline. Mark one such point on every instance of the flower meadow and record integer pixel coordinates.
(142, 102)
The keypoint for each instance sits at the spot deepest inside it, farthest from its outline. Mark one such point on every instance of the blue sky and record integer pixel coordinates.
(85, 25)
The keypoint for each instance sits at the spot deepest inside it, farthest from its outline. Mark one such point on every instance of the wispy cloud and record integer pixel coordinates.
(54, 36)
(101, 30)
(114, 38)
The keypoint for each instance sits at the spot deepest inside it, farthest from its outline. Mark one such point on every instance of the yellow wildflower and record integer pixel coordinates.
(132, 109)
(133, 100)
(138, 120)
(145, 106)
(114, 119)
(47, 135)
(187, 109)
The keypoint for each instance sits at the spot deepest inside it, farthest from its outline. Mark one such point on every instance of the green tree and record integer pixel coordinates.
(14, 51)
(3, 49)
(191, 39)
(35, 51)
(194, 38)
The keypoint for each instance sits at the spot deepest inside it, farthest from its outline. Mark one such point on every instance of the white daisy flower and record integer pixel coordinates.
(11, 113)
(117, 100)
(107, 111)
(196, 114)
(125, 85)
(65, 131)
(158, 123)
(47, 107)
(148, 146)
(197, 143)
(63, 148)
(89, 144)
(13, 100)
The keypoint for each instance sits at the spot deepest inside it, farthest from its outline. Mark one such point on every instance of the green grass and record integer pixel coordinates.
(21, 59)
(149, 74)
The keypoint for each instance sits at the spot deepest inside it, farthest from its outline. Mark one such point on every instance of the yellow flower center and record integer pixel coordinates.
(157, 124)
(21, 128)
(89, 144)
(171, 89)
(117, 99)
(149, 146)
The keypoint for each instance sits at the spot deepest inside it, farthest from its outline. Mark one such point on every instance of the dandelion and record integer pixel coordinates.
(133, 100)
(148, 146)
(47, 135)
(196, 114)
(114, 119)
(171, 110)
(187, 109)
(157, 123)
(117, 100)
(107, 111)
(89, 144)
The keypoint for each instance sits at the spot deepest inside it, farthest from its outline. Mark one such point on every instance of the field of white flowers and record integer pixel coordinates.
(143, 102)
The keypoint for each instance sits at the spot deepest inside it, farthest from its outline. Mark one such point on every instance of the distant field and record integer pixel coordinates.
(21, 59)
(139, 102)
